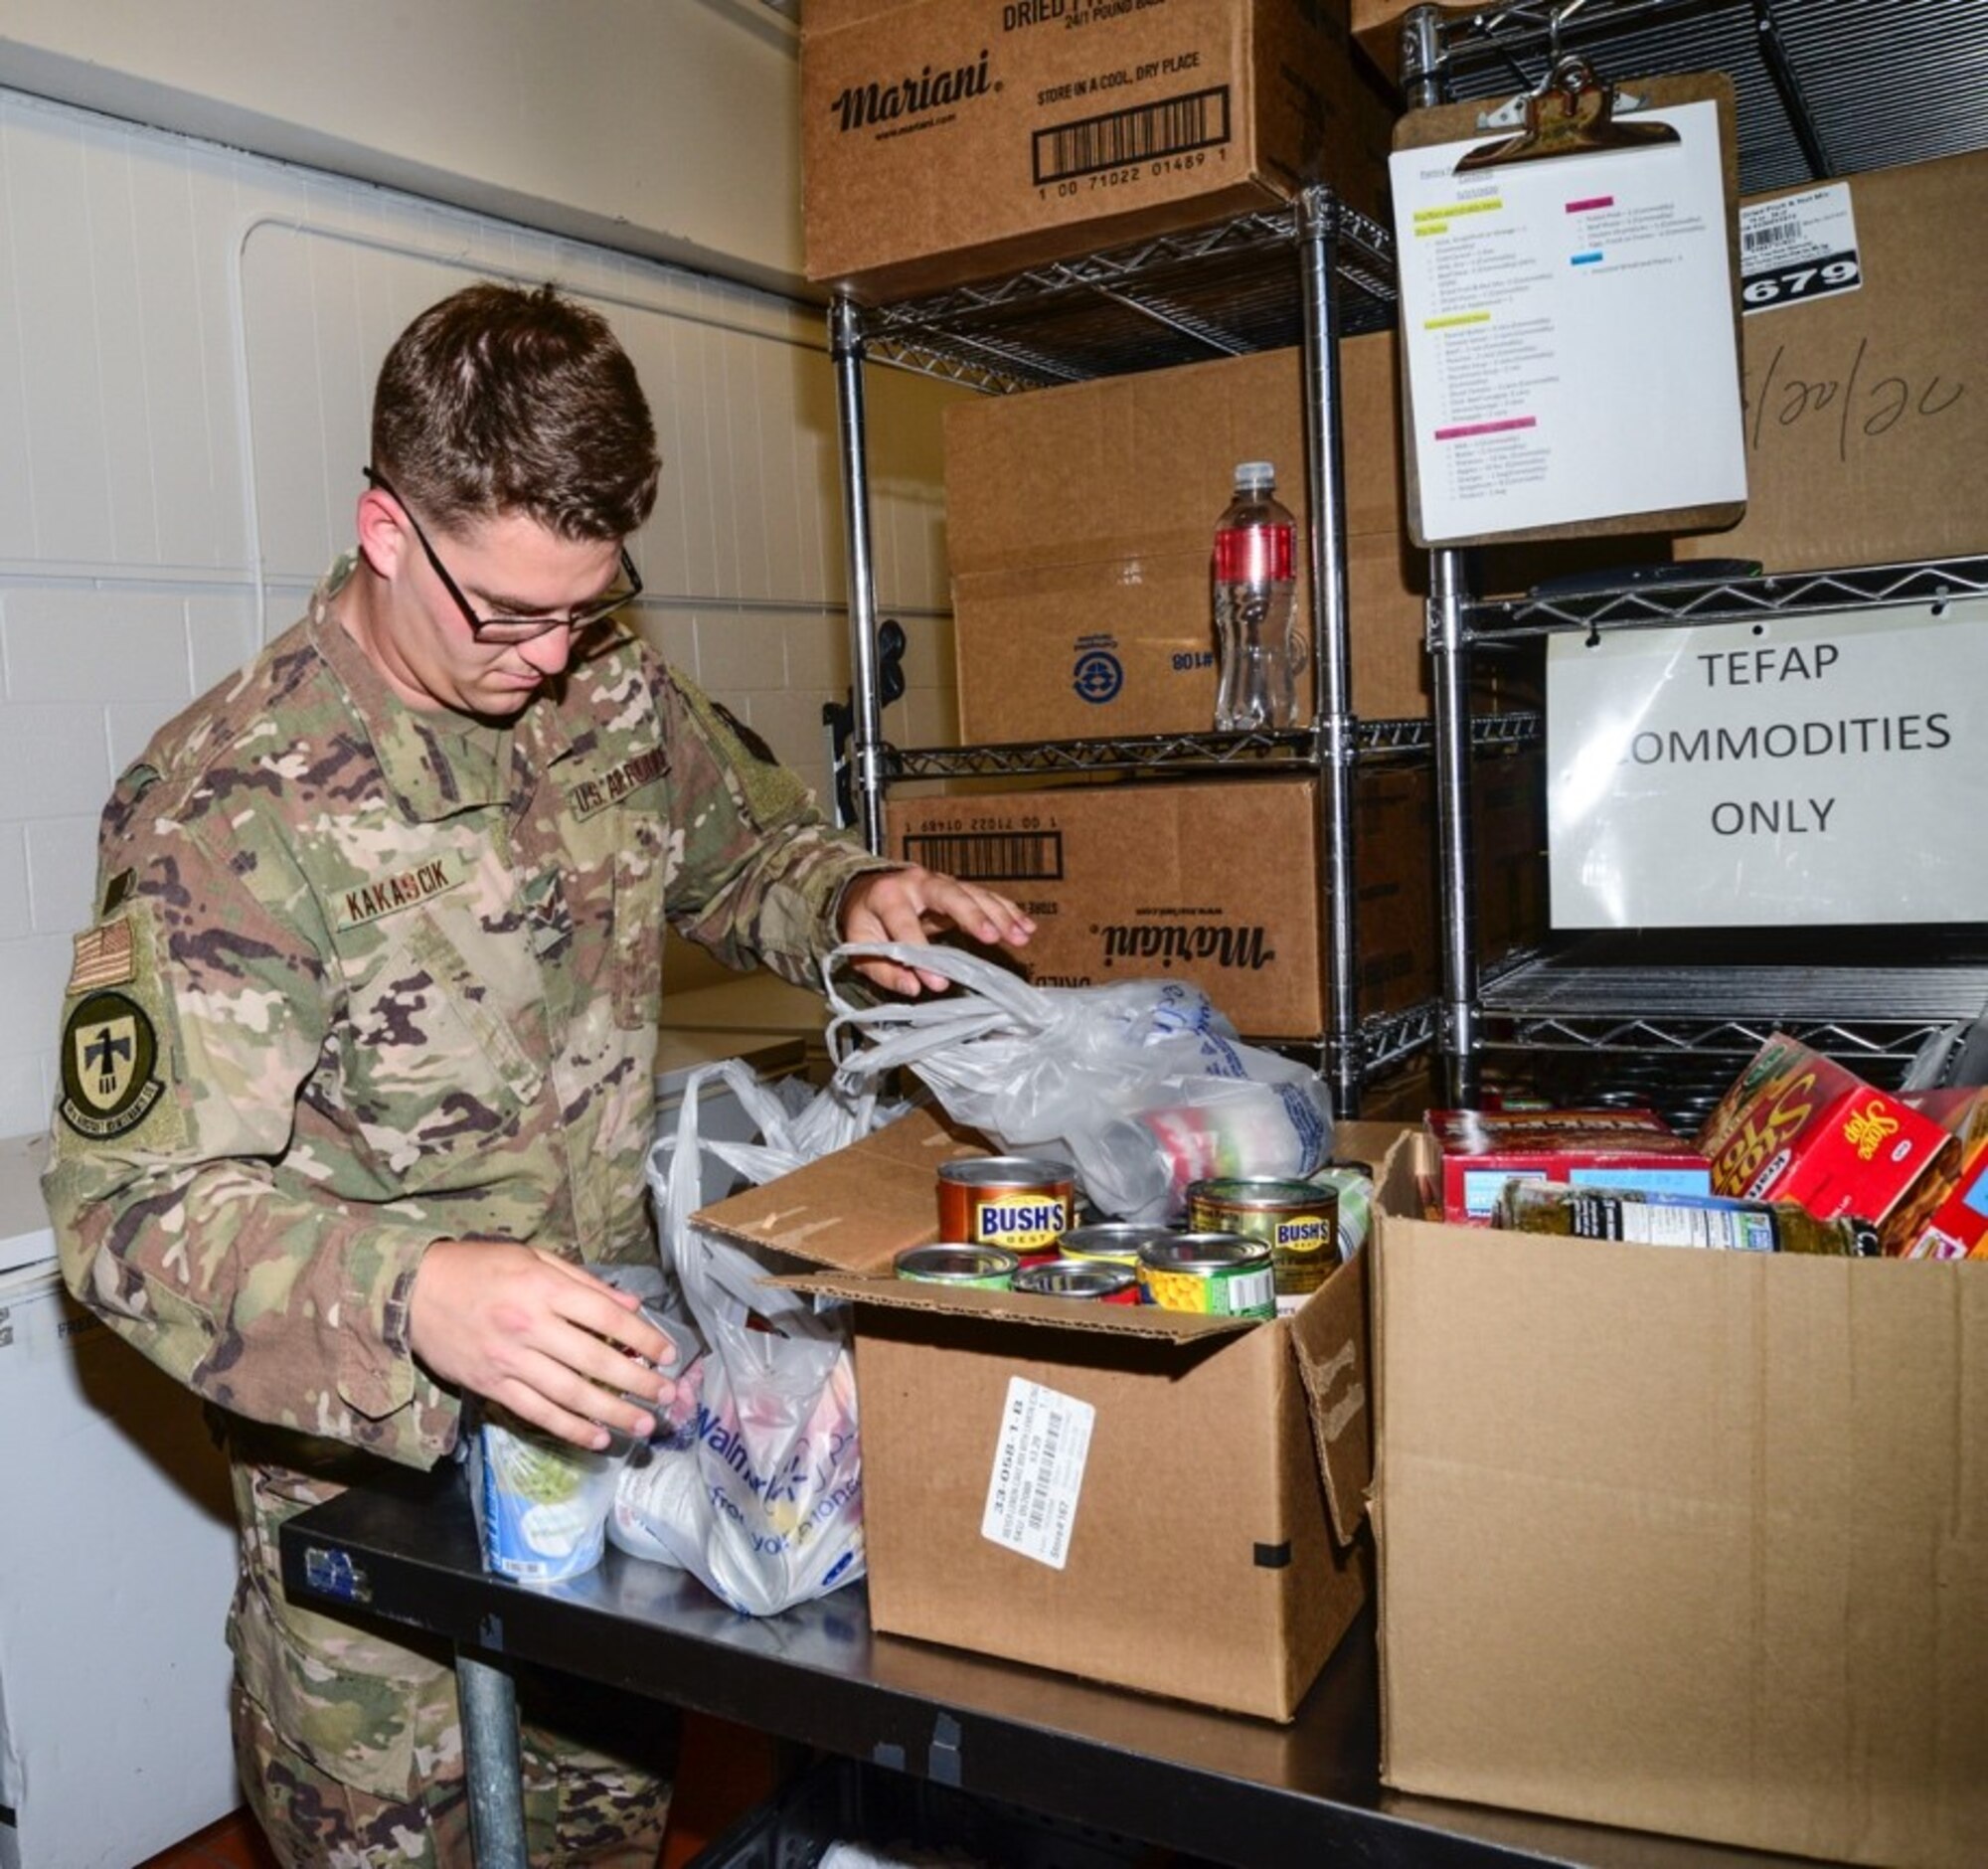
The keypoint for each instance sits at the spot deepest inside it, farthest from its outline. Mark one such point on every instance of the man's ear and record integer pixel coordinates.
(384, 538)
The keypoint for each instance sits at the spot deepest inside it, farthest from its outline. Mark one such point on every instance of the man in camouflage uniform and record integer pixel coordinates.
(358, 1058)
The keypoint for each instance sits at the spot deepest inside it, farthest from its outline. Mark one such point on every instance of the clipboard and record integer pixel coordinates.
(1506, 134)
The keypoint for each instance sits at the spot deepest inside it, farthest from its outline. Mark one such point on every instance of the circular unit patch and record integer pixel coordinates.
(109, 1056)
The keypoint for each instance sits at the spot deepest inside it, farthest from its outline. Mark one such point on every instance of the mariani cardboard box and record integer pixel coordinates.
(1216, 882)
(947, 141)
(1684, 1540)
(1867, 404)
(1038, 1476)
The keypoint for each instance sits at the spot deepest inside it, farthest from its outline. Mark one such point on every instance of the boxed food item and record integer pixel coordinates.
(1795, 1126)
(1863, 354)
(1478, 1151)
(1958, 1227)
(945, 140)
(1037, 1471)
(1215, 881)
(1693, 1542)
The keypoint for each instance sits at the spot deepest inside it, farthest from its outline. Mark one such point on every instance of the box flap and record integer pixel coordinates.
(856, 1209)
(1328, 1338)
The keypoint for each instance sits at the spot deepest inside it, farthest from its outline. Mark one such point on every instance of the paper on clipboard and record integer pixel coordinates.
(1571, 335)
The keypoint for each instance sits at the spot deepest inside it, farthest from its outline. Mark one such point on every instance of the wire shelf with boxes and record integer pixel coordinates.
(1271, 295)
(1856, 437)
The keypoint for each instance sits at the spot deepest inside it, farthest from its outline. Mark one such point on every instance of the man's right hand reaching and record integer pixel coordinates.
(540, 1336)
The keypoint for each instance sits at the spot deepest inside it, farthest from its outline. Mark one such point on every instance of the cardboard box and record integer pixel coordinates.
(1079, 524)
(1795, 1126)
(1865, 413)
(1684, 1541)
(1215, 881)
(945, 140)
(1239, 1450)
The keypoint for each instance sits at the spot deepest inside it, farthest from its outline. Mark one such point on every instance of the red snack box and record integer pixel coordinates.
(1479, 1150)
(1958, 1227)
(1798, 1127)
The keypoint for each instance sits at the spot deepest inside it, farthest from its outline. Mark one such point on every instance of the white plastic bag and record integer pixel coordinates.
(755, 1484)
(1143, 1085)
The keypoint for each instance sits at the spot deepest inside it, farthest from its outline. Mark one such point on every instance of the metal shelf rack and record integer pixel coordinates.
(1298, 748)
(1303, 274)
(1825, 87)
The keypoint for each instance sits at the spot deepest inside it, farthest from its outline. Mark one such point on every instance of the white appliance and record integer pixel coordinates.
(117, 1564)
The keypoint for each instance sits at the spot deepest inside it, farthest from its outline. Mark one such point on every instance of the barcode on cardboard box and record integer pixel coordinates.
(1198, 120)
(989, 856)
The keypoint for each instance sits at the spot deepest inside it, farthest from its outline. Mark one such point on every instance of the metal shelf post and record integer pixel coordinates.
(1423, 65)
(1332, 725)
(865, 744)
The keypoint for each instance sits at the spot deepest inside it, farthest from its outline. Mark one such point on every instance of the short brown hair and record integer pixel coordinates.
(500, 399)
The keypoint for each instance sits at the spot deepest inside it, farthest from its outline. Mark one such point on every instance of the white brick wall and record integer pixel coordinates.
(188, 338)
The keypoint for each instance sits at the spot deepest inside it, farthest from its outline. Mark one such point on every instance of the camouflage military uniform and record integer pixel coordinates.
(363, 978)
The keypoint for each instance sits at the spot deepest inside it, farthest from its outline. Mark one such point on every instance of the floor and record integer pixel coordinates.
(724, 1771)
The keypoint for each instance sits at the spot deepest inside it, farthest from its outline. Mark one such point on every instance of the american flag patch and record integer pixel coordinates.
(104, 957)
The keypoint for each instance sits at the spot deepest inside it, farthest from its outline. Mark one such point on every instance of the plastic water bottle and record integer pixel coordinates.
(1257, 654)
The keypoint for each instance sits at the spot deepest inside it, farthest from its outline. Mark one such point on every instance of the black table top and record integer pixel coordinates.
(1226, 1786)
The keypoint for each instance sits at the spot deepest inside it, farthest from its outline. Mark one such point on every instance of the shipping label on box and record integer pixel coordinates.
(949, 139)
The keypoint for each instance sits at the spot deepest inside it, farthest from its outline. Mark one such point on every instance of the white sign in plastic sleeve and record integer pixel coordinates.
(1038, 1474)
(1795, 770)
(1569, 333)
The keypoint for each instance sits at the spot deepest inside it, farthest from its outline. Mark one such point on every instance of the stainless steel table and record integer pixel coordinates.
(1234, 1789)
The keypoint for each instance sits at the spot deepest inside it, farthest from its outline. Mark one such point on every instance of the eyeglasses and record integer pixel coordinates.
(498, 630)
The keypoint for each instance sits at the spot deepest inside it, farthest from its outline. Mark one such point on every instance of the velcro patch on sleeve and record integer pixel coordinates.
(105, 955)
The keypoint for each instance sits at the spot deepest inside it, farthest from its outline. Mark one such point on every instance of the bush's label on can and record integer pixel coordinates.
(1038, 1473)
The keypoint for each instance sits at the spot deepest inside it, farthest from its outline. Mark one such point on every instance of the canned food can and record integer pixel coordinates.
(989, 1268)
(1353, 1182)
(1092, 1278)
(1218, 1274)
(1298, 1219)
(1112, 1241)
(1024, 1203)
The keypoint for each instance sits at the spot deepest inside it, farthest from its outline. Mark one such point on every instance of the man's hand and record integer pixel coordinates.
(911, 906)
(526, 1329)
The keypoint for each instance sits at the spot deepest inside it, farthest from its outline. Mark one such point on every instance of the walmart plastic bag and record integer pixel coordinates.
(1142, 1083)
(755, 1483)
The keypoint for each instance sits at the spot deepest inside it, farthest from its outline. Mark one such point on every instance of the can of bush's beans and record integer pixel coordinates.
(1219, 1275)
(1112, 1241)
(989, 1268)
(1298, 1219)
(1024, 1203)
(1093, 1278)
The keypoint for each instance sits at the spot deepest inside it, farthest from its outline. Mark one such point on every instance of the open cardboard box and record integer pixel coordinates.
(1210, 1546)
(1687, 1541)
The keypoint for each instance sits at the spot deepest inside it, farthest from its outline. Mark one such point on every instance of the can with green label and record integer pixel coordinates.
(1298, 1219)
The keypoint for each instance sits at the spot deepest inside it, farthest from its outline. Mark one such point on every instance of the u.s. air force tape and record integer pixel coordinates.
(110, 1067)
